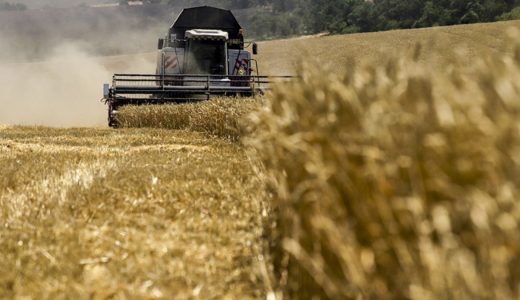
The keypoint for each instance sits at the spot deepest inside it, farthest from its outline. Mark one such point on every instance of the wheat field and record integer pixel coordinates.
(222, 117)
(273, 198)
(339, 51)
(396, 179)
(99, 213)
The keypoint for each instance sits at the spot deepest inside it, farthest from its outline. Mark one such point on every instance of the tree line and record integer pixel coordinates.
(274, 18)
(6, 6)
(343, 16)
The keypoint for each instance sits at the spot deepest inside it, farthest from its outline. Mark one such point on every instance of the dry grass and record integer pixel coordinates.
(281, 57)
(218, 117)
(99, 213)
(396, 181)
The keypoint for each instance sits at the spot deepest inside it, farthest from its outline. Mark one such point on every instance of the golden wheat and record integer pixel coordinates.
(396, 181)
(338, 51)
(218, 117)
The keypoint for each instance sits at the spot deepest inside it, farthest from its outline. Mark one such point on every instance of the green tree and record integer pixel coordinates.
(363, 17)
(512, 15)
(12, 7)
(434, 15)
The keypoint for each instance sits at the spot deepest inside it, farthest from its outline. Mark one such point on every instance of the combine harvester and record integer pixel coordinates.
(202, 56)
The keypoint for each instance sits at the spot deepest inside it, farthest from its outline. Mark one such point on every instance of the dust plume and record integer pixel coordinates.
(63, 90)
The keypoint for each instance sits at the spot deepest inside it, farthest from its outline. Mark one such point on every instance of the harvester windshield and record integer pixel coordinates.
(207, 57)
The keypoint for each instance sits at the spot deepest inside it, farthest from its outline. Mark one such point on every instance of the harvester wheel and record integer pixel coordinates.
(112, 119)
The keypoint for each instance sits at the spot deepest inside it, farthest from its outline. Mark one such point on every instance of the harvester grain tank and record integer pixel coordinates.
(203, 55)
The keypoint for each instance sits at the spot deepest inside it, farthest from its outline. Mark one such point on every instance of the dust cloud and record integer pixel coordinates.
(65, 89)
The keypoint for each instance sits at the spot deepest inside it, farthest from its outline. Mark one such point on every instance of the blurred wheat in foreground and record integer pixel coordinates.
(394, 181)
(218, 117)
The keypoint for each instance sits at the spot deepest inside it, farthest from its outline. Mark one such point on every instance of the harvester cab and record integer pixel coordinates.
(203, 55)
(202, 52)
(207, 52)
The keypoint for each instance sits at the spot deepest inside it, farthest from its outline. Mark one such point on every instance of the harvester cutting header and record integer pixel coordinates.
(203, 55)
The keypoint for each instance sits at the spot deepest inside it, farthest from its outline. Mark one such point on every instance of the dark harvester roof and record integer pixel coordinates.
(206, 17)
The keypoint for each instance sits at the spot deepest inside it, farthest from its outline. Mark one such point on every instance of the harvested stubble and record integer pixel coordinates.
(127, 214)
(218, 117)
(393, 181)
